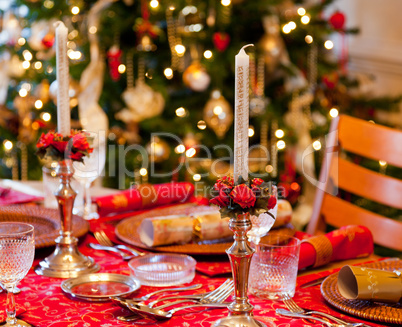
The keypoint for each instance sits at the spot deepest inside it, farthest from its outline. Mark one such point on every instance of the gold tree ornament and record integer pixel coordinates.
(218, 114)
(142, 102)
(42, 91)
(158, 150)
(272, 44)
(146, 44)
(196, 77)
(191, 20)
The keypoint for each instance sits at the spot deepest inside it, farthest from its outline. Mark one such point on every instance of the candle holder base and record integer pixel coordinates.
(241, 321)
(240, 254)
(66, 261)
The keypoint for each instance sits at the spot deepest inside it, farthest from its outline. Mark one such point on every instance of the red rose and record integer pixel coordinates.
(224, 182)
(60, 145)
(76, 156)
(217, 201)
(223, 198)
(243, 196)
(257, 182)
(80, 142)
(45, 140)
(271, 203)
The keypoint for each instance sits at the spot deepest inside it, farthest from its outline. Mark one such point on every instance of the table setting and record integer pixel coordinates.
(44, 302)
(158, 255)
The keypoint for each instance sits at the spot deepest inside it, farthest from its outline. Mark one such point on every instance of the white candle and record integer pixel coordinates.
(63, 100)
(241, 115)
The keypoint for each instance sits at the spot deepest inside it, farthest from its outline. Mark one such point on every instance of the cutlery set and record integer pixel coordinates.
(290, 314)
(295, 309)
(104, 240)
(123, 254)
(213, 299)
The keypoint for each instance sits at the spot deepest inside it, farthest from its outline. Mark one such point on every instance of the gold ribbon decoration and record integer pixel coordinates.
(323, 249)
(119, 201)
(148, 194)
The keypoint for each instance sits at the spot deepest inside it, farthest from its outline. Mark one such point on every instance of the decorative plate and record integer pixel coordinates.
(99, 287)
(127, 231)
(377, 311)
(45, 221)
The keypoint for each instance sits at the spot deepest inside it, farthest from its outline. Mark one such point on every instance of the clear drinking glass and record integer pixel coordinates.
(263, 223)
(273, 269)
(89, 170)
(17, 251)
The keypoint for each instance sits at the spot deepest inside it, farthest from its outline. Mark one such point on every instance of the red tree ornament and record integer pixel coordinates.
(337, 20)
(221, 41)
(48, 40)
(114, 60)
(331, 80)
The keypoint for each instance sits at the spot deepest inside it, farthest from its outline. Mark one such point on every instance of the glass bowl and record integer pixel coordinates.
(163, 269)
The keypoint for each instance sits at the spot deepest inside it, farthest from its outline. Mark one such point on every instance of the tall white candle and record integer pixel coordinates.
(241, 115)
(62, 75)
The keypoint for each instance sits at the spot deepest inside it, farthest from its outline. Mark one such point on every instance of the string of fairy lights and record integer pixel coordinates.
(178, 50)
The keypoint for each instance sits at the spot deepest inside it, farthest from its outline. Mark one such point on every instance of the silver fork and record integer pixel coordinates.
(294, 307)
(228, 284)
(225, 287)
(290, 314)
(103, 239)
(124, 255)
(212, 299)
(147, 296)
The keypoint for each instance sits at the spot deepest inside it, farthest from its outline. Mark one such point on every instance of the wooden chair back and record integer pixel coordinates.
(371, 141)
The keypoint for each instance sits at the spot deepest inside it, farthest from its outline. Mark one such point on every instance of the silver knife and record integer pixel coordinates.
(313, 282)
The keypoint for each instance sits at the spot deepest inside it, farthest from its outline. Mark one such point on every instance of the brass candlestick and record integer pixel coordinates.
(240, 254)
(66, 261)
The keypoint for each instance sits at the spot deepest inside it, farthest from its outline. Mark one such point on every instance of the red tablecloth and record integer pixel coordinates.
(46, 304)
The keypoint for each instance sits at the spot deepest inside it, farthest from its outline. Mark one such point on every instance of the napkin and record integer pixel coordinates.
(347, 242)
(197, 226)
(10, 196)
(144, 196)
(370, 284)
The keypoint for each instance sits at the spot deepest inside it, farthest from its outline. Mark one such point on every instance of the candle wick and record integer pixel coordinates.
(246, 46)
(58, 23)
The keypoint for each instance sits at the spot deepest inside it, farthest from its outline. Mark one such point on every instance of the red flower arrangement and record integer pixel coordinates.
(254, 196)
(58, 147)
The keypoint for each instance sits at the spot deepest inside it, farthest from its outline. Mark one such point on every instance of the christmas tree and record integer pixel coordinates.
(143, 67)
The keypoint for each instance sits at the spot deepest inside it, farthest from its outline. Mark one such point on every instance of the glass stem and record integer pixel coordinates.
(87, 199)
(10, 306)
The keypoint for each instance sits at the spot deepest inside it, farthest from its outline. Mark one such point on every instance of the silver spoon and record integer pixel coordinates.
(136, 316)
(143, 309)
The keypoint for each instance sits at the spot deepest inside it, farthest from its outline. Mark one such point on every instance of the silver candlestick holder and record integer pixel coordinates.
(66, 261)
(240, 254)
